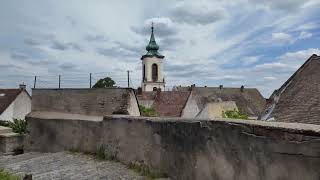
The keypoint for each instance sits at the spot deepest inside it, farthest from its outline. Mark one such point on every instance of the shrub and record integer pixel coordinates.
(148, 112)
(100, 154)
(18, 126)
(146, 171)
(234, 114)
(4, 175)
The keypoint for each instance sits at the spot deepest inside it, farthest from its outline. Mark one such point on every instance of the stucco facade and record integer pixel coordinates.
(18, 109)
(216, 109)
(188, 149)
(147, 83)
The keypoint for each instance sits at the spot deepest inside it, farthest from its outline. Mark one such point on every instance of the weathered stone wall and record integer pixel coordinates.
(189, 149)
(96, 102)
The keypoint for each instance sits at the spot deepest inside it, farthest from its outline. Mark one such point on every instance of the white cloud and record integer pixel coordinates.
(268, 66)
(305, 35)
(307, 26)
(297, 58)
(198, 12)
(248, 60)
(220, 32)
(282, 38)
(269, 78)
(285, 5)
(227, 77)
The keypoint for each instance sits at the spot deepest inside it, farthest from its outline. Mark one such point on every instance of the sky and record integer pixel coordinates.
(255, 43)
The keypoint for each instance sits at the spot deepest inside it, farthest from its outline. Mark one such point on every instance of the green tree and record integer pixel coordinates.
(105, 82)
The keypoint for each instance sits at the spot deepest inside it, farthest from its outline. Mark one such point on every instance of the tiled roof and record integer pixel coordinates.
(248, 100)
(7, 96)
(87, 101)
(166, 103)
(298, 99)
(170, 103)
(146, 95)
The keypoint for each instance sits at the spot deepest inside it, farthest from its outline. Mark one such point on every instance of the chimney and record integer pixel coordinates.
(22, 86)
(193, 86)
(221, 86)
(242, 88)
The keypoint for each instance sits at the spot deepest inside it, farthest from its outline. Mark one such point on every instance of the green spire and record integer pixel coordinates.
(152, 47)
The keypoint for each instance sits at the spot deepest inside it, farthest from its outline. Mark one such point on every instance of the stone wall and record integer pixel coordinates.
(189, 149)
(96, 102)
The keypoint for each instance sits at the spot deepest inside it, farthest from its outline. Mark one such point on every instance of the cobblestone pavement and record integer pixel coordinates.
(66, 166)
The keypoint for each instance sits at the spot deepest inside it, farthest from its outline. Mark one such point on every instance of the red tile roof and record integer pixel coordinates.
(166, 103)
(7, 96)
(170, 103)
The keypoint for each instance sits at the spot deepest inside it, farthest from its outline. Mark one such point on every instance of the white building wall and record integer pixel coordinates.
(148, 62)
(215, 109)
(18, 109)
(191, 109)
(22, 106)
(133, 107)
(7, 114)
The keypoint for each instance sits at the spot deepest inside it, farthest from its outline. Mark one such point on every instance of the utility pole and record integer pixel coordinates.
(35, 82)
(128, 74)
(90, 81)
(59, 80)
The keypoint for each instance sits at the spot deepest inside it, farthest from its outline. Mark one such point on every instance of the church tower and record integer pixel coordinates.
(152, 67)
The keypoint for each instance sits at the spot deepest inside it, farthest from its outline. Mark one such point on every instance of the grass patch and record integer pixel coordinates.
(146, 171)
(148, 112)
(4, 175)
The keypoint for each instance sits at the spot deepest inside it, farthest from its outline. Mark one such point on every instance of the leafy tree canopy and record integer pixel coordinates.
(105, 82)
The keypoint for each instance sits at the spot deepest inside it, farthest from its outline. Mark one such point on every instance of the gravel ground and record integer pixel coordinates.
(66, 166)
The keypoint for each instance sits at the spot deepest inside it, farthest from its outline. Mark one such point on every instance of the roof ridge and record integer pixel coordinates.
(312, 57)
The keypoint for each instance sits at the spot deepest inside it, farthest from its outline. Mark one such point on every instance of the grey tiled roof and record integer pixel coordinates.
(298, 99)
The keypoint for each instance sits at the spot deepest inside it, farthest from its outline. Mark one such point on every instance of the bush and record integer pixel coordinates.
(234, 114)
(18, 126)
(148, 112)
(4, 175)
(146, 171)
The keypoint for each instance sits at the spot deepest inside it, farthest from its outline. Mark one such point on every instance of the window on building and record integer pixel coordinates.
(154, 89)
(154, 72)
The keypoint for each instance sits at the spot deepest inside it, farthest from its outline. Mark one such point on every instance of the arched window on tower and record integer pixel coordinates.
(144, 73)
(154, 72)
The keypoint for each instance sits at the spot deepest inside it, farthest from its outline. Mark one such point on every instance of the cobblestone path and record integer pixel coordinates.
(66, 166)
